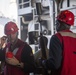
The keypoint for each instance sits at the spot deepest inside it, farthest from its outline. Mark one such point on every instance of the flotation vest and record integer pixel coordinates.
(68, 40)
(14, 70)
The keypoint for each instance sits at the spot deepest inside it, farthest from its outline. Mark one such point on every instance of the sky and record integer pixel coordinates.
(8, 9)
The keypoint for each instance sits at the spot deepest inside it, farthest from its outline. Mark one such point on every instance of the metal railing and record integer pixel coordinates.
(24, 4)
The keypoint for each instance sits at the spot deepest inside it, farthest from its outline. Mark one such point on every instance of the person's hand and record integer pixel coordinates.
(42, 62)
(2, 42)
(12, 61)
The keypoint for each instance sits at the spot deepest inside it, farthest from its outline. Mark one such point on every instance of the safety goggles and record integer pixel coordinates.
(57, 23)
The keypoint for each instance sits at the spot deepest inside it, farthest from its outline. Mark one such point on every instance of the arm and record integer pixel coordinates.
(55, 54)
(2, 48)
(2, 55)
(28, 59)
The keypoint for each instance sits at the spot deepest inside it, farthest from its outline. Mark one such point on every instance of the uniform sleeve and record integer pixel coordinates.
(28, 59)
(55, 53)
(2, 55)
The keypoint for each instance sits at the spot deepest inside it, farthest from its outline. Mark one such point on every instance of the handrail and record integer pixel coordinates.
(28, 2)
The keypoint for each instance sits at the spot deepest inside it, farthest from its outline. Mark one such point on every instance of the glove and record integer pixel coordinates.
(42, 62)
(9, 55)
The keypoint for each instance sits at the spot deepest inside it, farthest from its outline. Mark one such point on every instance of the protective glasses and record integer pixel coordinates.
(57, 23)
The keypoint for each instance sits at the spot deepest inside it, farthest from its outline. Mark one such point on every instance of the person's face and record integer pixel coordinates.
(12, 37)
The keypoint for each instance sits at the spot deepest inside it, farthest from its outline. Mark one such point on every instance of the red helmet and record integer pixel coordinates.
(66, 17)
(10, 28)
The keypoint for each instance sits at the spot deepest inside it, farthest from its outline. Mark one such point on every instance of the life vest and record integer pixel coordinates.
(14, 70)
(68, 40)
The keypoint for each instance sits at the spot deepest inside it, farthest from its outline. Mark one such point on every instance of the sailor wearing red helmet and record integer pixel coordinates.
(62, 49)
(17, 54)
